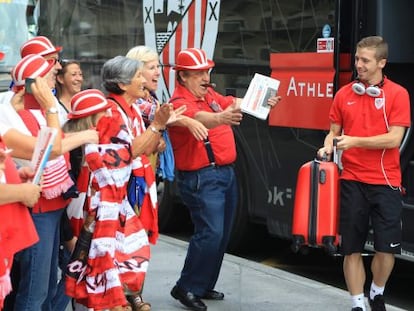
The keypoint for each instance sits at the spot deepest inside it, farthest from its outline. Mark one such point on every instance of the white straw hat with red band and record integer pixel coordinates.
(88, 102)
(30, 66)
(39, 45)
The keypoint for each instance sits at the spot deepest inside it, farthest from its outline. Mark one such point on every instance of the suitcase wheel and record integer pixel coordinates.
(297, 242)
(328, 243)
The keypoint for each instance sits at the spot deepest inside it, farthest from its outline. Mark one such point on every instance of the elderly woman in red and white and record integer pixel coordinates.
(119, 247)
(123, 80)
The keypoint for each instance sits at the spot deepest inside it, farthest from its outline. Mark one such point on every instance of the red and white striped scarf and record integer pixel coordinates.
(55, 178)
(119, 251)
(148, 212)
(141, 166)
(78, 207)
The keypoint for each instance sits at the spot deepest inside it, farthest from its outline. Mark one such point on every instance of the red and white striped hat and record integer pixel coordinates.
(87, 102)
(30, 66)
(193, 59)
(39, 45)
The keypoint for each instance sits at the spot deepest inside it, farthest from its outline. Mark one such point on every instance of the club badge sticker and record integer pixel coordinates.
(173, 25)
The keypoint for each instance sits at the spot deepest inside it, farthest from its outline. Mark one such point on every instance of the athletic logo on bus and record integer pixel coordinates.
(173, 25)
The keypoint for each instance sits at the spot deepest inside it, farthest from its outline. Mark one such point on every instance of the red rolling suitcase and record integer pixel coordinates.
(316, 206)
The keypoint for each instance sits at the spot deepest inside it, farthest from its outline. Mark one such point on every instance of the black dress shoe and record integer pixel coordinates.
(213, 295)
(188, 299)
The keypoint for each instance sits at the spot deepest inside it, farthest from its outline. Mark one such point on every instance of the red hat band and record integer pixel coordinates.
(30, 66)
(193, 59)
(86, 103)
(39, 45)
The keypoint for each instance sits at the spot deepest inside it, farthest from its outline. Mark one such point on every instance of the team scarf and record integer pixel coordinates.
(55, 177)
(117, 249)
(77, 209)
(148, 211)
(148, 208)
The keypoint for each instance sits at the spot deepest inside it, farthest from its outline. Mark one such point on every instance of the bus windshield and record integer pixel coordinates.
(18, 24)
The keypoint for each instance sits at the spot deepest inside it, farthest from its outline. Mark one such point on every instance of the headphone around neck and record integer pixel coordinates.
(373, 90)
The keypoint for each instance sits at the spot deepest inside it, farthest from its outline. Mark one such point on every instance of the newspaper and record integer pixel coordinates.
(42, 150)
(261, 88)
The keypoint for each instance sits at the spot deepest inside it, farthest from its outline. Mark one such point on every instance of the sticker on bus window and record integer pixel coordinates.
(325, 45)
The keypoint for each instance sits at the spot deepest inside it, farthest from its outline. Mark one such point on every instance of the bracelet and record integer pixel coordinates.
(156, 131)
(52, 110)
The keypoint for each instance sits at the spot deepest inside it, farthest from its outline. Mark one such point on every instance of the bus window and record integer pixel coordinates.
(13, 33)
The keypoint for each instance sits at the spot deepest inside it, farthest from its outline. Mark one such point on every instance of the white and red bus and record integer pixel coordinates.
(306, 44)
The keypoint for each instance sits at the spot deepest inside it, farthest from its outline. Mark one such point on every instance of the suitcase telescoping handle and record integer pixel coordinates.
(334, 153)
(335, 150)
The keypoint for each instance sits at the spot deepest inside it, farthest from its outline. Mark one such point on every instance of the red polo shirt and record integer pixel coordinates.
(191, 154)
(365, 116)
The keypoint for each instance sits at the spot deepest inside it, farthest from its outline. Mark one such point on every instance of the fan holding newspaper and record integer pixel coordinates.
(42, 151)
(255, 102)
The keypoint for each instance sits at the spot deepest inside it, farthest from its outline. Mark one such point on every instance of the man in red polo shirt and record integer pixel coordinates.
(368, 118)
(205, 177)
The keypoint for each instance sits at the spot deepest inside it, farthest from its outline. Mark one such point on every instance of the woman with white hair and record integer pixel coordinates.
(148, 104)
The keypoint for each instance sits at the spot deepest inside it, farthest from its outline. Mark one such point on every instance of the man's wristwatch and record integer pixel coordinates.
(52, 110)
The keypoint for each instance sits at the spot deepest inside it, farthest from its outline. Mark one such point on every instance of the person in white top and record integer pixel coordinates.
(41, 46)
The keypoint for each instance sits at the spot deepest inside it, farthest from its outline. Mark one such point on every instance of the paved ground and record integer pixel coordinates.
(247, 285)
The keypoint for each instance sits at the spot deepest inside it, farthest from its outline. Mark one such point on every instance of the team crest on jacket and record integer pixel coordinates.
(173, 25)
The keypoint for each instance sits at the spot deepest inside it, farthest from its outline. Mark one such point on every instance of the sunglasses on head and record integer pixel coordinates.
(64, 62)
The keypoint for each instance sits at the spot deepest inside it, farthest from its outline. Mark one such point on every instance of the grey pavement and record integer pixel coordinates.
(247, 285)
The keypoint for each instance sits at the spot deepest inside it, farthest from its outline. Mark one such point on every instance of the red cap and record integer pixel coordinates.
(30, 66)
(193, 59)
(1, 55)
(40, 46)
(87, 102)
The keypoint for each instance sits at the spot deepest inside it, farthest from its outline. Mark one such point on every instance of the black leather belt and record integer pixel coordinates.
(211, 165)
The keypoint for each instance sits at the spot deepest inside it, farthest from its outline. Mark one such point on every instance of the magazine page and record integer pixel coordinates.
(261, 88)
(42, 151)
